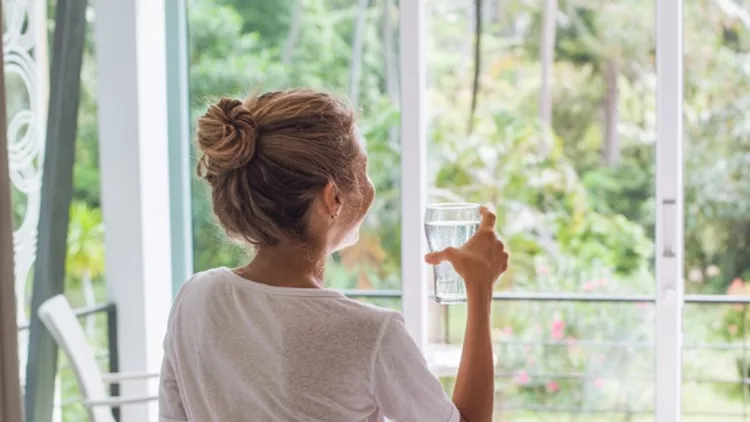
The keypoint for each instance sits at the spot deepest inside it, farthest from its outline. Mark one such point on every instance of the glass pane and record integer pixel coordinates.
(717, 147)
(716, 362)
(717, 208)
(552, 121)
(347, 47)
(559, 360)
(570, 164)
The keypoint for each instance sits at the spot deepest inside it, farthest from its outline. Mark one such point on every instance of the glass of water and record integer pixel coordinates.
(450, 224)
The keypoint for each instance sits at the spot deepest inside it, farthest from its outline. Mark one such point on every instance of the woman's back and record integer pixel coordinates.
(238, 350)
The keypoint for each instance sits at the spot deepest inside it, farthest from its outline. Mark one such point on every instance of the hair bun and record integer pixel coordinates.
(227, 136)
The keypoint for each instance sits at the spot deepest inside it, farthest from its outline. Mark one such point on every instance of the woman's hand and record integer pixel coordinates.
(481, 260)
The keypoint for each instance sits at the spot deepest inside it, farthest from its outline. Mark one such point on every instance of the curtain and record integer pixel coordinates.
(10, 385)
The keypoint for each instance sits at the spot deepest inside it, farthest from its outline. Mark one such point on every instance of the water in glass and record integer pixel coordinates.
(450, 225)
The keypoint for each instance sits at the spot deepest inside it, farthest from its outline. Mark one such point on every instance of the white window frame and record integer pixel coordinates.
(413, 174)
(670, 204)
(669, 195)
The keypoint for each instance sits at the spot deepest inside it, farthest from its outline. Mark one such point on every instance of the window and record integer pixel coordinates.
(348, 47)
(552, 121)
(568, 117)
(717, 223)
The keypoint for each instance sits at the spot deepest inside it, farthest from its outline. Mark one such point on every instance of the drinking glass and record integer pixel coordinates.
(450, 224)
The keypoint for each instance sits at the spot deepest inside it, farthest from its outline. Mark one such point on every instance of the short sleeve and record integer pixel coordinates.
(404, 388)
(171, 408)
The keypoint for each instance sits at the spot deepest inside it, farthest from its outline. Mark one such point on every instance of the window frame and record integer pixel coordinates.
(670, 203)
(669, 297)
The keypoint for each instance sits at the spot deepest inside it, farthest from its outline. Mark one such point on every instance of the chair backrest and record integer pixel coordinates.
(62, 323)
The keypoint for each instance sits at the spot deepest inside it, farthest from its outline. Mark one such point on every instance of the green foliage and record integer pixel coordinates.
(85, 257)
(543, 207)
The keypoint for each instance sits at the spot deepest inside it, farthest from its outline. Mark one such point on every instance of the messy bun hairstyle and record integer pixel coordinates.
(267, 158)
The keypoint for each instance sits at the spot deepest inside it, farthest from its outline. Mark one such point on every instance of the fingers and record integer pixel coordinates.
(506, 261)
(488, 219)
(434, 258)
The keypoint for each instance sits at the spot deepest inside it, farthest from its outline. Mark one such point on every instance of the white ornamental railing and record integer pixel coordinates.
(25, 54)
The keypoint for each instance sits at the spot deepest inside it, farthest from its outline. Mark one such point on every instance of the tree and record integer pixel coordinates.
(293, 35)
(546, 59)
(85, 258)
(357, 47)
(477, 62)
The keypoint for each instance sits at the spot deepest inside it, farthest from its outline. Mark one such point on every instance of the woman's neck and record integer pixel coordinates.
(287, 265)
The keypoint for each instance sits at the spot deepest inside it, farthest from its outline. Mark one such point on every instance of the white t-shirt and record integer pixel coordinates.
(237, 350)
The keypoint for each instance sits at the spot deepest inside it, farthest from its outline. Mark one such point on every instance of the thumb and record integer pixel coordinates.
(437, 257)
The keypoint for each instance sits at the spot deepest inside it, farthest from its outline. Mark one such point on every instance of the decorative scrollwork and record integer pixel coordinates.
(25, 132)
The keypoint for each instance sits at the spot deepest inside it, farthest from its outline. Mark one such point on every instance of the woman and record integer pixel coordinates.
(266, 342)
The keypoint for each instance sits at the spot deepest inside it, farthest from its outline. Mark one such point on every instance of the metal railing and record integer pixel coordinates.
(741, 349)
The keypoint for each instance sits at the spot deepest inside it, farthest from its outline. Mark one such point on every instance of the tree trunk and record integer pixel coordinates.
(357, 48)
(391, 65)
(611, 148)
(463, 66)
(57, 191)
(293, 34)
(499, 11)
(477, 62)
(547, 57)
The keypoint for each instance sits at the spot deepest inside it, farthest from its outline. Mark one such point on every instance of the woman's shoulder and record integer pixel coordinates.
(216, 283)
(358, 312)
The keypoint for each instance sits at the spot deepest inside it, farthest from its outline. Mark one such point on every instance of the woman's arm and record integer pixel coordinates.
(480, 262)
(474, 392)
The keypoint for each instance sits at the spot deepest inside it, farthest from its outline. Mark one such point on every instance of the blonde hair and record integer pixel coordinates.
(267, 158)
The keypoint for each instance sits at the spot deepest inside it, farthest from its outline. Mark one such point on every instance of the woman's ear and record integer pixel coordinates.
(331, 199)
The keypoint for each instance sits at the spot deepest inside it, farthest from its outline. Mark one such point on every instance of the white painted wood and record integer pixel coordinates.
(669, 220)
(413, 174)
(60, 320)
(134, 162)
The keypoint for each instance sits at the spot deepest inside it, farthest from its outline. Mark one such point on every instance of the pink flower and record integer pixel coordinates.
(589, 286)
(737, 287)
(522, 377)
(552, 386)
(598, 383)
(732, 329)
(642, 305)
(508, 331)
(557, 329)
(542, 270)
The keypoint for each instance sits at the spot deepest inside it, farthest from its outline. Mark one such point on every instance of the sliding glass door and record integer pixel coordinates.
(546, 109)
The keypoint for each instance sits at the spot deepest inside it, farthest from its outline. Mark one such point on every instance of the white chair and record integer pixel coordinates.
(60, 320)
